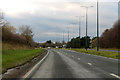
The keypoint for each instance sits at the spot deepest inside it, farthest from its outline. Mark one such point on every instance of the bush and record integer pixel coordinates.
(110, 37)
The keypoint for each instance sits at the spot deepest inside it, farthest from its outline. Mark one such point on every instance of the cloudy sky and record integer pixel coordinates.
(49, 19)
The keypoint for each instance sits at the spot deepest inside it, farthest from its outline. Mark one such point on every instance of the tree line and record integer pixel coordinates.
(109, 39)
(79, 42)
(9, 34)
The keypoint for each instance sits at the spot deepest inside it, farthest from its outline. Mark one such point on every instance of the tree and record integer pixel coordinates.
(74, 43)
(49, 42)
(94, 42)
(1, 23)
(110, 37)
(94, 38)
(9, 35)
(27, 33)
(1, 18)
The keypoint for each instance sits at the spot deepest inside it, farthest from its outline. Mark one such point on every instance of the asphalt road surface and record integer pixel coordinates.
(71, 64)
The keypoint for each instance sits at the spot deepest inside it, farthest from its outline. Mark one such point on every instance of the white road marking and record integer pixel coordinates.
(115, 75)
(87, 71)
(30, 71)
(90, 64)
(78, 58)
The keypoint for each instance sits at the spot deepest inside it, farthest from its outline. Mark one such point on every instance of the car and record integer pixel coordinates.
(56, 47)
(48, 47)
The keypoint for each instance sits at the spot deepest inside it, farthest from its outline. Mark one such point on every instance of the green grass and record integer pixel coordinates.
(108, 49)
(109, 54)
(13, 58)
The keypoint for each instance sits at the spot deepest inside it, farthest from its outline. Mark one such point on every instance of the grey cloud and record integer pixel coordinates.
(42, 24)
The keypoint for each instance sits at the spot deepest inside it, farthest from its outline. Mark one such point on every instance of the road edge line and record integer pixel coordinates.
(31, 70)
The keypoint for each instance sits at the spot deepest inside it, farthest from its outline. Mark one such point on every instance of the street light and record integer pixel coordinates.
(79, 27)
(97, 27)
(86, 21)
(63, 37)
(68, 34)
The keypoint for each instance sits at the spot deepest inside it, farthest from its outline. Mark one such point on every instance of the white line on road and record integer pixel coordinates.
(30, 71)
(78, 58)
(90, 64)
(115, 75)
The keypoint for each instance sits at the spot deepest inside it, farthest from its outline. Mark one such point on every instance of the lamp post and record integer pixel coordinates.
(97, 27)
(86, 7)
(68, 34)
(79, 28)
(63, 37)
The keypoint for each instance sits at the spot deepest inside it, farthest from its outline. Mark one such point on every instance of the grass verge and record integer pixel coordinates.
(108, 54)
(114, 49)
(13, 58)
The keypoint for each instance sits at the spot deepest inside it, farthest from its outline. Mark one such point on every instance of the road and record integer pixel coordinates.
(71, 64)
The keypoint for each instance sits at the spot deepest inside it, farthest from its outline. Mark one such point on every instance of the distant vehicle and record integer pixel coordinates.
(56, 47)
(48, 47)
(60, 46)
(64, 46)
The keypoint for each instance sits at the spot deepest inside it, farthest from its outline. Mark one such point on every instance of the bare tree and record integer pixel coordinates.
(27, 33)
(110, 37)
(1, 18)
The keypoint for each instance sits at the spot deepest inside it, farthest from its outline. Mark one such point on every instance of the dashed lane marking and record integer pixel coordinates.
(78, 58)
(90, 64)
(115, 75)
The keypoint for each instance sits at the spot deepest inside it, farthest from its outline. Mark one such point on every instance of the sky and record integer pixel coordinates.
(51, 19)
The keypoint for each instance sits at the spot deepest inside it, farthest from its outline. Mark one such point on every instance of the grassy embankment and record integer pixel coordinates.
(108, 54)
(16, 56)
(114, 49)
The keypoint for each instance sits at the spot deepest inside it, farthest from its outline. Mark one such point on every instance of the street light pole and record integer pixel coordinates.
(68, 34)
(79, 28)
(86, 23)
(97, 27)
(86, 27)
(79, 31)
(63, 37)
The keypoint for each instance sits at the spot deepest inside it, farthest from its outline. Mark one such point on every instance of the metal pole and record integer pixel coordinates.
(86, 46)
(86, 27)
(68, 34)
(63, 37)
(97, 27)
(79, 31)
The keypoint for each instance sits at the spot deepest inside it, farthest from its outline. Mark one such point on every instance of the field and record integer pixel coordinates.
(109, 54)
(13, 58)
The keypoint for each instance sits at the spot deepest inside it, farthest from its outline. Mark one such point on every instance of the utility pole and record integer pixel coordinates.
(68, 34)
(63, 37)
(86, 23)
(97, 27)
(73, 30)
(79, 28)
